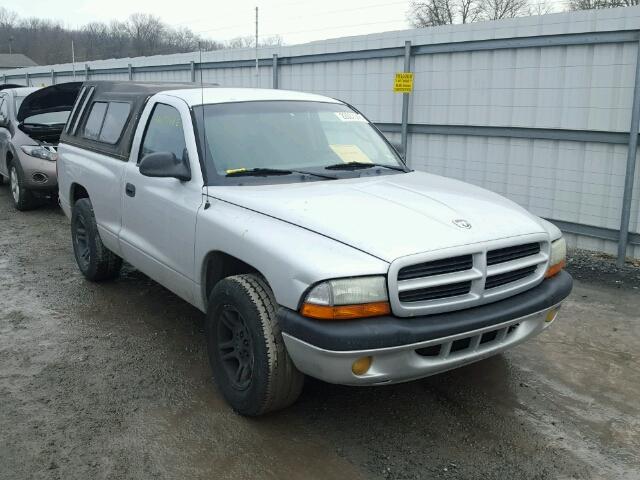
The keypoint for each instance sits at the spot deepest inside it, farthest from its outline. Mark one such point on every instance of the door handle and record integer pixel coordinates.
(130, 190)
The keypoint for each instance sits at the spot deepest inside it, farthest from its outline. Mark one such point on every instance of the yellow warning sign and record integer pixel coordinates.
(403, 82)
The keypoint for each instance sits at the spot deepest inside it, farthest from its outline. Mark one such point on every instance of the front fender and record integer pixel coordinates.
(291, 258)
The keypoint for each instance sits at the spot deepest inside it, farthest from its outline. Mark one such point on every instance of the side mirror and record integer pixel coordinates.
(165, 165)
(4, 121)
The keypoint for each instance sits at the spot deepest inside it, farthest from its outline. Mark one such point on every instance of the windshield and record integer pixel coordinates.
(289, 135)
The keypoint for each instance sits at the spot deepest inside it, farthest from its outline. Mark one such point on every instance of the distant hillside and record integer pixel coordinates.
(48, 42)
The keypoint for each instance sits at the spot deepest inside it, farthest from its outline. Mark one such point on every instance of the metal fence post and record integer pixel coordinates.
(192, 68)
(405, 100)
(631, 166)
(274, 71)
(53, 77)
(130, 71)
(86, 71)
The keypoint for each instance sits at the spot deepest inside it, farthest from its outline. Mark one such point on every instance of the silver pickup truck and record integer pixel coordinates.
(293, 223)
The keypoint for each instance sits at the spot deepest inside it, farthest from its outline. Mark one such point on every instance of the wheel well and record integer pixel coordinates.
(8, 160)
(220, 265)
(77, 192)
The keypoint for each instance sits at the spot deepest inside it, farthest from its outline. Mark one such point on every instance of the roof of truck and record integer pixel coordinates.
(207, 95)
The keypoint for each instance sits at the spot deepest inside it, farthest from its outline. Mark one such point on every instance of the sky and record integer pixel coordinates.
(295, 21)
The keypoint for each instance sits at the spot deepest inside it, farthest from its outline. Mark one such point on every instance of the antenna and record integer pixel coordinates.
(203, 150)
(73, 60)
(257, 69)
(201, 80)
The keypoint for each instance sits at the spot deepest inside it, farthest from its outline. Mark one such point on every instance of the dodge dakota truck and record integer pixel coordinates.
(296, 227)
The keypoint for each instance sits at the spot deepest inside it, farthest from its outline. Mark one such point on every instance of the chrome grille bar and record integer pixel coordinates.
(462, 277)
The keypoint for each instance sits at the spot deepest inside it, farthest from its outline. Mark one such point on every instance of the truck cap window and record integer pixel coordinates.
(106, 121)
(288, 135)
(164, 133)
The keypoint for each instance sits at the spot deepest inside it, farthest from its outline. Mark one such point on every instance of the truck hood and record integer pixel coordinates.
(390, 216)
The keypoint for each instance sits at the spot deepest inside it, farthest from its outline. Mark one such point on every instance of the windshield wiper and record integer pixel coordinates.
(264, 172)
(360, 165)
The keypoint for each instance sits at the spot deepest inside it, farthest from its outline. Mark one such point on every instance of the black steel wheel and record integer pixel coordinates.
(81, 242)
(95, 261)
(235, 347)
(250, 363)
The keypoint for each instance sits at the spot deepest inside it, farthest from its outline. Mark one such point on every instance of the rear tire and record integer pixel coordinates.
(94, 260)
(22, 197)
(250, 363)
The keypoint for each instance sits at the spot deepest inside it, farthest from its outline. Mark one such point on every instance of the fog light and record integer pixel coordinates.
(39, 177)
(551, 315)
(361, 365)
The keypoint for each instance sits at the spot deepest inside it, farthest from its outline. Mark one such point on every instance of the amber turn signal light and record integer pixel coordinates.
(555, 269)
(361, 365)
(345, 312)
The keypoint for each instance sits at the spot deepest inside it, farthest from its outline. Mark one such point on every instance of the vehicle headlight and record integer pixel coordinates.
(347, 298)
(40, 152)
(558, 257)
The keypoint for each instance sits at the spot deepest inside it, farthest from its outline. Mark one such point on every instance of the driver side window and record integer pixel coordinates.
(164, 133)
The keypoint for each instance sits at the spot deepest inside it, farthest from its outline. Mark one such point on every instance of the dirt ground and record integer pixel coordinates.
(111, 381)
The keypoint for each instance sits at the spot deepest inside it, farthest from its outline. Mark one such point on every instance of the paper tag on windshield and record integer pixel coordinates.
(350, 153)
(350, 117)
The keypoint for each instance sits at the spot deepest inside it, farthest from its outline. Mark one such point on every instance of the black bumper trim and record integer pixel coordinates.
(389, 331)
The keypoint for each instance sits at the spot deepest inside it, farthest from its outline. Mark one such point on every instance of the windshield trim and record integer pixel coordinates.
(213, 178)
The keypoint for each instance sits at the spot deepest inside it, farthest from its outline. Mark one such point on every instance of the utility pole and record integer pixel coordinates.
(257, 70)
(10, 44)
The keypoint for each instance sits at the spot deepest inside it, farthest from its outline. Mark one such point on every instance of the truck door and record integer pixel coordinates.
(159, 214)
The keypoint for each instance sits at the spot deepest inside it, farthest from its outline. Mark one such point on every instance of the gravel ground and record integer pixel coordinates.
(601, 268)
(111, 381)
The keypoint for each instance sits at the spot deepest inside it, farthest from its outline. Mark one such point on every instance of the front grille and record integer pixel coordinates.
(433, 293)
(471, 275)
(472, 342)
(436, 267)
(508, 277)
(507, 254)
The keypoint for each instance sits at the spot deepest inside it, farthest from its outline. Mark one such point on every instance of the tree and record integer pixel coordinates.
(596, 4)
(431, 13)
(48, 42)
(541, 7)
(497, 9)
(250, 42)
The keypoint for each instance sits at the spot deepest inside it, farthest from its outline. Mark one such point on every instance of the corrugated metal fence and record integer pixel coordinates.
(539, 109)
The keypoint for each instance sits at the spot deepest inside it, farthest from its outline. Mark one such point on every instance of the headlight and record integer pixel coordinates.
(347, 298)
(40, 152)
(558, 258)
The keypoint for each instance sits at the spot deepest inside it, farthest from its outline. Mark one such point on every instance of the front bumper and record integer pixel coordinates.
(39, 174)
(406, 349)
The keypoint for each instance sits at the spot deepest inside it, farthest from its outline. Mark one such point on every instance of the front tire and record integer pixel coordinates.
(94, 260)
(250, 363)
(23, 199)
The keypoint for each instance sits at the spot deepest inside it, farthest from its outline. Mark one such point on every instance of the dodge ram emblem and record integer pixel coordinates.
(462, 223)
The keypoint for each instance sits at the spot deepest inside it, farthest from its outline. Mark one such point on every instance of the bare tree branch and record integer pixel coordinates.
(497, 9)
